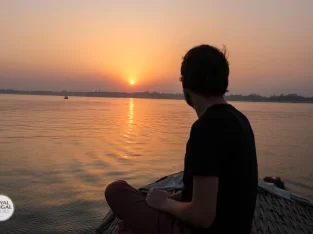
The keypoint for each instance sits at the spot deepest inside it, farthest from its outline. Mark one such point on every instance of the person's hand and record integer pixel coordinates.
(176, 196)
(157, 198)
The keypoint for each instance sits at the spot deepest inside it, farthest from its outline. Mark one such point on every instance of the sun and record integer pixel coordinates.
(131, 82)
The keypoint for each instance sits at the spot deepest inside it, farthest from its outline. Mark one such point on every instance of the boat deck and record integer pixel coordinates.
(275, 214)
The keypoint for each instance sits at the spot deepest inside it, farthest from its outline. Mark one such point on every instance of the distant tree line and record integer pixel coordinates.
(155, 95)
(274, 98)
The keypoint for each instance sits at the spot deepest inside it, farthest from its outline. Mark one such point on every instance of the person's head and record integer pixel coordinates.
(204, 73)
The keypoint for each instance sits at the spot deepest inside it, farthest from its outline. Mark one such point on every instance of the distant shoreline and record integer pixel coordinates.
(289, 98)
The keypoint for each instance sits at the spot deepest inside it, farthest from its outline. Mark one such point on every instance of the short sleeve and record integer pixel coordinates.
(205, 151)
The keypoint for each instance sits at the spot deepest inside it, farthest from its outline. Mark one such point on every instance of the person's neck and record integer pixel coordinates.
(203, 104)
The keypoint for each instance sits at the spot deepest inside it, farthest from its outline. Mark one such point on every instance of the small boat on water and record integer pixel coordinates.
(277, 210)
(66, 97)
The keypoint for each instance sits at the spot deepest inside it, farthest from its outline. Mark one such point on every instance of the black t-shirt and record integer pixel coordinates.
(221, 144)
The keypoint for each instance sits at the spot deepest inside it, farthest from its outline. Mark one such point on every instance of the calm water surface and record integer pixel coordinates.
(57, 156)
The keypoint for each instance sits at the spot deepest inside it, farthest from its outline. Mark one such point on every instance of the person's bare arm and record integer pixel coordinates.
(205, 155)
(176, 196)
(201, 210)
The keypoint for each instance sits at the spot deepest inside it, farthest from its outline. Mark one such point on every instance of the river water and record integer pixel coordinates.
(57, 156)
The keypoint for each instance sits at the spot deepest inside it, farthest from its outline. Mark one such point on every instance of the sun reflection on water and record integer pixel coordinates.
(130, 115)
(130, 123)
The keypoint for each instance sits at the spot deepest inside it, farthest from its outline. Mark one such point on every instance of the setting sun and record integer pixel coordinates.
(131, 82)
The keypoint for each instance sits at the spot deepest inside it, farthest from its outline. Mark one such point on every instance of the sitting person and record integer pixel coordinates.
(219, 153)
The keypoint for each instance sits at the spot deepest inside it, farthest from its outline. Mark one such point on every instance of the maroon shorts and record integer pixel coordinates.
(135, 216)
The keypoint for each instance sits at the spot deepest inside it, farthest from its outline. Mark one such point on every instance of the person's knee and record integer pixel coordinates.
(113, 189)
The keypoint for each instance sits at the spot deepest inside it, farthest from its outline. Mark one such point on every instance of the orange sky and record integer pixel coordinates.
(87, 45)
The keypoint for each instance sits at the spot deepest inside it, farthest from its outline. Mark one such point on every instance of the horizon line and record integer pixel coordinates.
(164, 93)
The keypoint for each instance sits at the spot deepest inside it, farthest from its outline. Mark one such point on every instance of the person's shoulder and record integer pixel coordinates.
(222, 118)
(207, 123)
(241, 116)
(215, 116)
(219, 111)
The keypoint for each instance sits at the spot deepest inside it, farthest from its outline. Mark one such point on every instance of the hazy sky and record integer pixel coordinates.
(87, 45)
